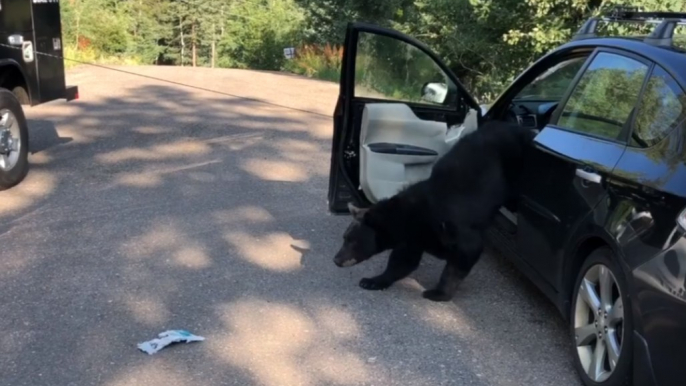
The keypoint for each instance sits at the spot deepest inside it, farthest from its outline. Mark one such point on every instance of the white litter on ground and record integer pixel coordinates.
(166, 338)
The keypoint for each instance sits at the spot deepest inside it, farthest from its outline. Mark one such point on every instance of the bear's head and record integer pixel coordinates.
(363, 239)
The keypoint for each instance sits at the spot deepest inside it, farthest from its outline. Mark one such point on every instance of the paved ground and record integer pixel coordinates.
(152, 206)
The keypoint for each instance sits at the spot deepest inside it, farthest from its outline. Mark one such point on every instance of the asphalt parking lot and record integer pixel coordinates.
(151, 206)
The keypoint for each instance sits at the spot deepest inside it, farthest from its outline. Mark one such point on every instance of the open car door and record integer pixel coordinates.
(399, 110)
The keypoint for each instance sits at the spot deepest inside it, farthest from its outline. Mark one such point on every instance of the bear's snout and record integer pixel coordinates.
(344, 259)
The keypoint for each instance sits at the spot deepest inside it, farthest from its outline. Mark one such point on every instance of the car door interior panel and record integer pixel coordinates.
(396, 148)
(394, 118)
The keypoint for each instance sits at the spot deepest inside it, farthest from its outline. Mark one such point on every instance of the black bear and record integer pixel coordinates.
(445, 215)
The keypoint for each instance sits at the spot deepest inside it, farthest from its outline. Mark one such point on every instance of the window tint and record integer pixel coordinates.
(387, 68)
(602, 101)
(662, 108)
(553, 83)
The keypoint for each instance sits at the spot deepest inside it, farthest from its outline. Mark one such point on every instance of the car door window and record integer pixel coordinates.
(552, 84)
(661, 109)
(602, 101)
(388, 68)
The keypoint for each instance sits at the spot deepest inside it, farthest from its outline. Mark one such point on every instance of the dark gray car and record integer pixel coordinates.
(600, 224)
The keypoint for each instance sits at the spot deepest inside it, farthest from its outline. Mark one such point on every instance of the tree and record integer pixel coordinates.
(256, 32)
(149, 24)
(484, 42)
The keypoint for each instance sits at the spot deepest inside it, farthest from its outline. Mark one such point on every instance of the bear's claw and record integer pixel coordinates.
(372, 284)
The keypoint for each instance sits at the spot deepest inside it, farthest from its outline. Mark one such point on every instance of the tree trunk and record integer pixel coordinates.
(214, 46)
(138, 20)
(77, 29)
(194, 45)
(183, 42)
(223, 23)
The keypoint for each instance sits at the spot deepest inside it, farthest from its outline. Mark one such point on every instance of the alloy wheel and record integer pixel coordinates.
(10, 140)
(598, 323)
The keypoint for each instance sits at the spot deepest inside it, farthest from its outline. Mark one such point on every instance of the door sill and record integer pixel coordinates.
(509, 215)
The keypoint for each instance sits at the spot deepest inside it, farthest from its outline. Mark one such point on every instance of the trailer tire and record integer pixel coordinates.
(13, 165)
(22, 95)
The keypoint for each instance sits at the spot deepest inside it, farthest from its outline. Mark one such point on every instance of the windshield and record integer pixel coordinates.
(552, 84)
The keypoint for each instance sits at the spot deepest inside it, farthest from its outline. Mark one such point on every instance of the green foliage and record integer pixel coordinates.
(551, 85)
(662, 108)
(603, 100)
(258, 31)
(228, 33)
(389, 68)
(321, 62)
(147, 23)
(484, 42)
(119, 31)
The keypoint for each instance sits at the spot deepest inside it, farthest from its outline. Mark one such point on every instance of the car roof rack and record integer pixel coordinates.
(662, 35)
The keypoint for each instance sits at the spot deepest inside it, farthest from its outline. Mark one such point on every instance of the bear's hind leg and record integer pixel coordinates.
(459, 263)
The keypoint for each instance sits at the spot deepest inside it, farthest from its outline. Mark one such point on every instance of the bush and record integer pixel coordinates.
(320, 62)
(256, 33)
(74, 58)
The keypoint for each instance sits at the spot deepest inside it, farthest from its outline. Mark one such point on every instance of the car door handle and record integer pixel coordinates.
(401, 149)
(588, 176)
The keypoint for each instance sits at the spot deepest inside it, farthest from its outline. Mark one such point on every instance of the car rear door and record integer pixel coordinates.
(569, 172)
(399, 109)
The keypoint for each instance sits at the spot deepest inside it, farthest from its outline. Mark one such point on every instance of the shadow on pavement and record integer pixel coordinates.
(161, 208)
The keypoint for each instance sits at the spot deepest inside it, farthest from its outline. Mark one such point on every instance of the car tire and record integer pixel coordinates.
(602, 334)
(14, 166)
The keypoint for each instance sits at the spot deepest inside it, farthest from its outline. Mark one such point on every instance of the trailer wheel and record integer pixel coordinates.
(14, 141)
(22, 95)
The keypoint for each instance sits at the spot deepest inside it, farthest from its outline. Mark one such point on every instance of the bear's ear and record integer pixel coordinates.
(357, 213)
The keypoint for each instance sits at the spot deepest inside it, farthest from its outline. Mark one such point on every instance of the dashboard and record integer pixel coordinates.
(531, 113)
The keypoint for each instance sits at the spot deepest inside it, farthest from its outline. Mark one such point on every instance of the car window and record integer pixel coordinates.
(388, 68)
(602, 101)
(661, 109)
(552, 84)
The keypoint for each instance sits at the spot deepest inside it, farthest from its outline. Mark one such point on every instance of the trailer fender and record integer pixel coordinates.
(12, 75)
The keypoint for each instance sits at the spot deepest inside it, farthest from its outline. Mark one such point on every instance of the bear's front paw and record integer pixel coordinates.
(436, 295)
(374, 284)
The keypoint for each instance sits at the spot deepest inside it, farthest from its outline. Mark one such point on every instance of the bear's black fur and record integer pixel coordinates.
(445, 215)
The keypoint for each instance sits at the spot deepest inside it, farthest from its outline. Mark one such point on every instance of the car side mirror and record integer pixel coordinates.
(434, 92)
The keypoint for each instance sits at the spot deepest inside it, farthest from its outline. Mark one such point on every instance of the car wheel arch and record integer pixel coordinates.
(575, 259)
(603, 256)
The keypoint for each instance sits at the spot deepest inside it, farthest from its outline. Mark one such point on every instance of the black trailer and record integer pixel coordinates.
(31, 73)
